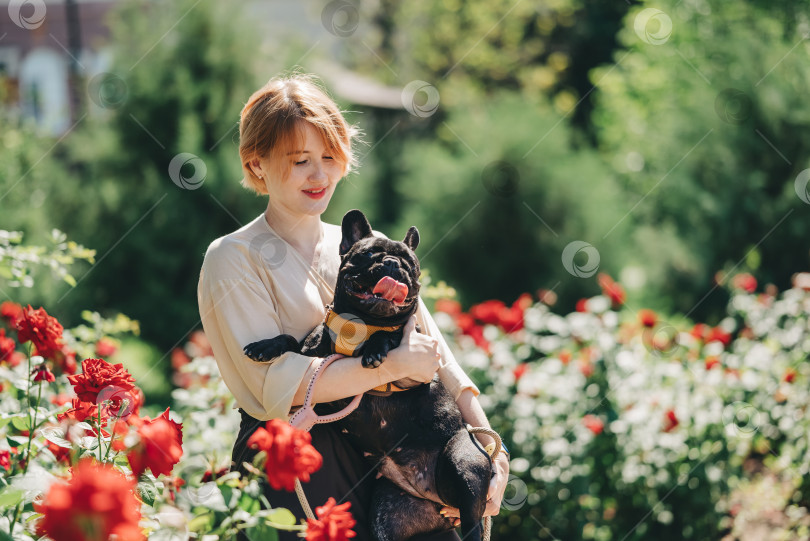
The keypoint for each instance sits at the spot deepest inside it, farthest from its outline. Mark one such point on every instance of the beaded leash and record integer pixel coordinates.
(305, 418)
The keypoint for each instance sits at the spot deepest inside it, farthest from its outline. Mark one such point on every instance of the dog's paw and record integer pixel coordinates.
(372, 359)
(264, 350)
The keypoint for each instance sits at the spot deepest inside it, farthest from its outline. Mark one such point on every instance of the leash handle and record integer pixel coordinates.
(305, 418)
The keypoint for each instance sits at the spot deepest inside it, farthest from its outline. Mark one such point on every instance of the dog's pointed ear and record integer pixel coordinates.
(412, 238)
(355, 227)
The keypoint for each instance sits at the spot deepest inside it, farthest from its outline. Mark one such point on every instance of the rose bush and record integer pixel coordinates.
(623, 425)
(79, 461)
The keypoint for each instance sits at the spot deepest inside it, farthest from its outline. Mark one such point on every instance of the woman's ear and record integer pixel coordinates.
(256, 167)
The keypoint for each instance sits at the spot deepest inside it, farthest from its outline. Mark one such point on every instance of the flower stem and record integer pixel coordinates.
(98, 426)
(31, 429)
(18, 509)
(124, 404)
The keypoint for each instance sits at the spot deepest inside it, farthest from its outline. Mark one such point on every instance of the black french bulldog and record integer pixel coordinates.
(426, 456)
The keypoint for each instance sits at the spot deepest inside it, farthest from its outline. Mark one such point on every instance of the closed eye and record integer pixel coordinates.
(305, 161)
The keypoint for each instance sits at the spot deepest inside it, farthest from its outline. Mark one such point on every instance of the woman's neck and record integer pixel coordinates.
(302, 231)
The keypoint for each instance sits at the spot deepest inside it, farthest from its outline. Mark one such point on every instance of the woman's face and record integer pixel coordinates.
(313, 176)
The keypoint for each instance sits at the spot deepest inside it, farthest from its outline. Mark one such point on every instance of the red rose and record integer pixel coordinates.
(744, 281)
(448, 306)
(96, 503)
(469, 327)
(80, 411)
(488, 312)
(11, 312)
(670, 420)
(547, 296)
(62, 454)
(790, 375)
(647, 317)
(65, 359)
(43, 374)
(524, 301)
(465, 323)
(41, 329)
(98, 374)
(179, 358)
(199, 346)
(719, 335)
(334, 522)
(593, 423)
(699, 331)
(511, 319)
(582, 305)
(160, 448)
(5, 460)
(586, 367)
(520, 371)
(7, 346)
(106, 347)
(290, 454)
(711, 362)
(611, 290)
(61, 399)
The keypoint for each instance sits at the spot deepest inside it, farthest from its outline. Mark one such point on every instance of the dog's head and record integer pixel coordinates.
(378, 278)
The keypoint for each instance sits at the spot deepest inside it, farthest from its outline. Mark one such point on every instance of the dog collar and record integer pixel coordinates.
(349, 335)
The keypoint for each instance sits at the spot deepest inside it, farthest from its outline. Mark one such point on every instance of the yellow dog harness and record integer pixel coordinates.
(349, 335)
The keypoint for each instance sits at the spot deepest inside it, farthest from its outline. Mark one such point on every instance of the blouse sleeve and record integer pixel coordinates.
(452, 375)
(237, 309)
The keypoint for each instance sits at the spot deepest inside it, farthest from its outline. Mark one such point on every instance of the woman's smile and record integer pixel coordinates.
(315, 193)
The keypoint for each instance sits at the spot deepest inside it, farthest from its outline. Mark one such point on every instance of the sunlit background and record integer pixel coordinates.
(535, 144)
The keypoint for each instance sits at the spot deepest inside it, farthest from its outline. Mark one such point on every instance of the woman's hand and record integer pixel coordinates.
(416, 357)
(497, 486)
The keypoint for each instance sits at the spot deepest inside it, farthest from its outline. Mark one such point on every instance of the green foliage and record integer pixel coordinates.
(180, 75)
(709, 130)
(500, 195)
(18, 262)
(484, 46)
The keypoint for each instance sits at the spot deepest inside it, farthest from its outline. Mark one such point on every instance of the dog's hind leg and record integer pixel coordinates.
(463, 472)
(398, 516)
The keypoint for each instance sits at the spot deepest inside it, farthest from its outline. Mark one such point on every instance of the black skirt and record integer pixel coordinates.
(344, 476)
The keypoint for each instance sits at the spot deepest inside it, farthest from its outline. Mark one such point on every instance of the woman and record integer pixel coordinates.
(276, 274)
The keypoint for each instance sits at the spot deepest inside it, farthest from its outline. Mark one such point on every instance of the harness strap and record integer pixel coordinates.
(349, 334)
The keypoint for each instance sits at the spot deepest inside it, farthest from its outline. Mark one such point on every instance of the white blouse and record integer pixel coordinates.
(252, 286)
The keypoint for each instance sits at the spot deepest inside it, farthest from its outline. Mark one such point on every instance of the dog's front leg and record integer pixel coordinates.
(378, 345)
(264, 350)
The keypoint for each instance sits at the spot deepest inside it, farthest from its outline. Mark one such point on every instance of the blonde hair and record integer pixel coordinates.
(270, 126)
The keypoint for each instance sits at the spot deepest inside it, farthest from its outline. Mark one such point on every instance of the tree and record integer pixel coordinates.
(704, 116)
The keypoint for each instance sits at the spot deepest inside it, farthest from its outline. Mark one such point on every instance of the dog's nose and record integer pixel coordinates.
(390, 262)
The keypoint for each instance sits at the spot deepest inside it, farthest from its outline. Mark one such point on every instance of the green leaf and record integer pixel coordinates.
(249, 503)
(148, 492)
(282, 516)
(262, 532)
(202, 523)
(21, 423)
(10, 497)
(5, 537)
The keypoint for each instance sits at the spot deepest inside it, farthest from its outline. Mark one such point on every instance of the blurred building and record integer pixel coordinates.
(50, 48)
(43, 47)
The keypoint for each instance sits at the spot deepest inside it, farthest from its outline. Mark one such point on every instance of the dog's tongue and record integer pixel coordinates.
(390, 289)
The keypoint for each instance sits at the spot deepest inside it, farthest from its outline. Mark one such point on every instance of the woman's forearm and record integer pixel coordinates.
(473, 414)
(343, 378)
